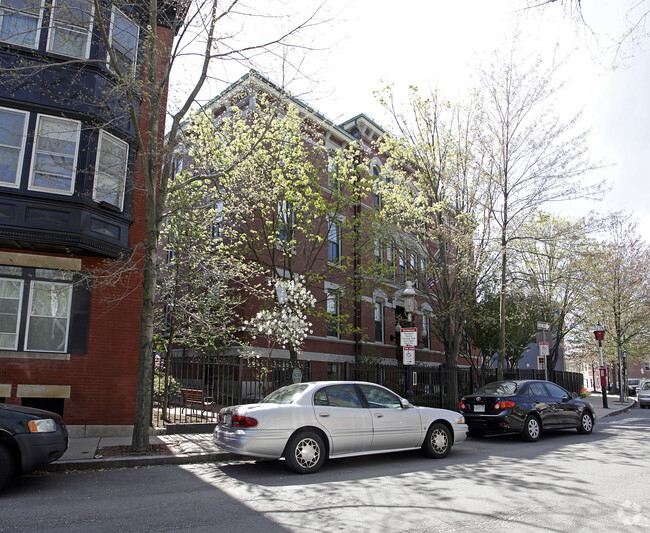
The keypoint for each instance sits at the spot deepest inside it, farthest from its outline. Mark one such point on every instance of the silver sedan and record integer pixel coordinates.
(307, 423)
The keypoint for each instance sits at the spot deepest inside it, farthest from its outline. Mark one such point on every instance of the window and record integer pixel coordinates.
(20, 21)
(48, 318)
(13, 126)
(10, 305)
(285, 222)
(70, 28)
(217, 220)
(379, 321)
(338, 396)
(402, 266)
(55, 155)
(333, 313)
(333, 243)
(376, 195)
(333, 174)
(380, 398)
(110, 170)
(379, 253)
(41, 310)
(124, 41)
(425, 331)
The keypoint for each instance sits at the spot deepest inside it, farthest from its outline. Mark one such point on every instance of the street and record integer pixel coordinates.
(564, 482)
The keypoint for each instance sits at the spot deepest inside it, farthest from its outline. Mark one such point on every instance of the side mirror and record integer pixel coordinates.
(574, 395)
(405, 403)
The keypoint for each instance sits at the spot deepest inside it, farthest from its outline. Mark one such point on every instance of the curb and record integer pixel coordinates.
(617, 411)
(137, 461)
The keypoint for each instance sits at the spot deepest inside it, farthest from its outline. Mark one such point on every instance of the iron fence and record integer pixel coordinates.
(192, 388)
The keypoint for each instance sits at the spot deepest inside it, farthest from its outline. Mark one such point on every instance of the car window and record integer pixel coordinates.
(378, 397)
(645, 385)
(285, 394)
(556, 391)
(498, 388)
(338, 396)
(538, 390)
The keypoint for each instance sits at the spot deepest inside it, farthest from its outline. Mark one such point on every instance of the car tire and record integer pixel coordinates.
(7, 466)
(586, 423)
(437, 443)
(532, 429)
(305, 452)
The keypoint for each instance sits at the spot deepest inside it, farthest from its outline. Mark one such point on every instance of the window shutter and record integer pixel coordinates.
(80, 316)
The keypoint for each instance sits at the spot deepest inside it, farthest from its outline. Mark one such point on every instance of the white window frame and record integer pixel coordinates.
(333, 297)
(39, 20)
(75, 127)
(19, 313)
(70, 27)
(119, 178)
(30, 316)
(21, 148)
(115, 13)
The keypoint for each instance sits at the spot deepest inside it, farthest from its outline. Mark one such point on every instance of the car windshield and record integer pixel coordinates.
(632, 381)
(498, 388)
(285, 394)
(646, 385)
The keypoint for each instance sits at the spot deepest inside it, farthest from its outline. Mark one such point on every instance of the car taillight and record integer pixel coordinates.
(462, 406)
(243, 421)
(503, 404)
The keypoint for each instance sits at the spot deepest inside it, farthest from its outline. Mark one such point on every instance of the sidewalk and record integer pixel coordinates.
(95, 453)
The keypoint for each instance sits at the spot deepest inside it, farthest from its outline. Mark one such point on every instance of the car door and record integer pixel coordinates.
(565, 408)
(341, 412)
(544, 404)
(394, 426)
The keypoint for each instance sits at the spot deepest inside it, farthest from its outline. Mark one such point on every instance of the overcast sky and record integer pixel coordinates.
(438, 43)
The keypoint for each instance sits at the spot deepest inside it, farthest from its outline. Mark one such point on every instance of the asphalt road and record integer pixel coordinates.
(564, 482)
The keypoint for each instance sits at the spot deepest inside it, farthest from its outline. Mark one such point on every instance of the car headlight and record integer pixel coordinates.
(42, 425)
(460, 420)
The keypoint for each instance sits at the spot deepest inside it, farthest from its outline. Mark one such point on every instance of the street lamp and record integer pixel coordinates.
(599, 334)
(409, 307)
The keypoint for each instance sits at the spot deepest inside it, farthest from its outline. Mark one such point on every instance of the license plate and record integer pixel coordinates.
(479, 408)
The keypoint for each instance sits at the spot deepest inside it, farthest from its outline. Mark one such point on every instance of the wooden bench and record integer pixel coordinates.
(193, 399)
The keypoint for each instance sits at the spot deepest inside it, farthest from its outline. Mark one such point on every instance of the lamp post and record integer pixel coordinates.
(409, 307)
(599, 334)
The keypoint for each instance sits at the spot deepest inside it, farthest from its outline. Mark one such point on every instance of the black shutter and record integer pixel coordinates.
(80, 315)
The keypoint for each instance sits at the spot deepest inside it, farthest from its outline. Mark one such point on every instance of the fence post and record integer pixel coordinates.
(239, 380)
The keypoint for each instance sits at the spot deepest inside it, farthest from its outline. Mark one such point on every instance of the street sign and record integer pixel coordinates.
(544, 349)
(296, 376)
(409, 355)
(409, 336)
(545, 326)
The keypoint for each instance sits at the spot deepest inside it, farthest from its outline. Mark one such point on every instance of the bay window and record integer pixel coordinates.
(71, 28)
(13, 127)
(55, 155)
(124, 41)
(20, 21)
(110, 170)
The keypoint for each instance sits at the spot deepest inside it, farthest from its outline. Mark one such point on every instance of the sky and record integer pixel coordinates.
(438, 44)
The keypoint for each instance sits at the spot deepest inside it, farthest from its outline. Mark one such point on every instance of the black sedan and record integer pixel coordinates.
(29, 438)
(526, 407)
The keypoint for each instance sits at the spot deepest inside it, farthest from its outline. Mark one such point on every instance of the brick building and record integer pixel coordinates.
(71, 199)
(378, 308)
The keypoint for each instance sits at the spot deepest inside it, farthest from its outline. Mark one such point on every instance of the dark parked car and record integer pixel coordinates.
(29, 438)
(632, 386)
(526, 407)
